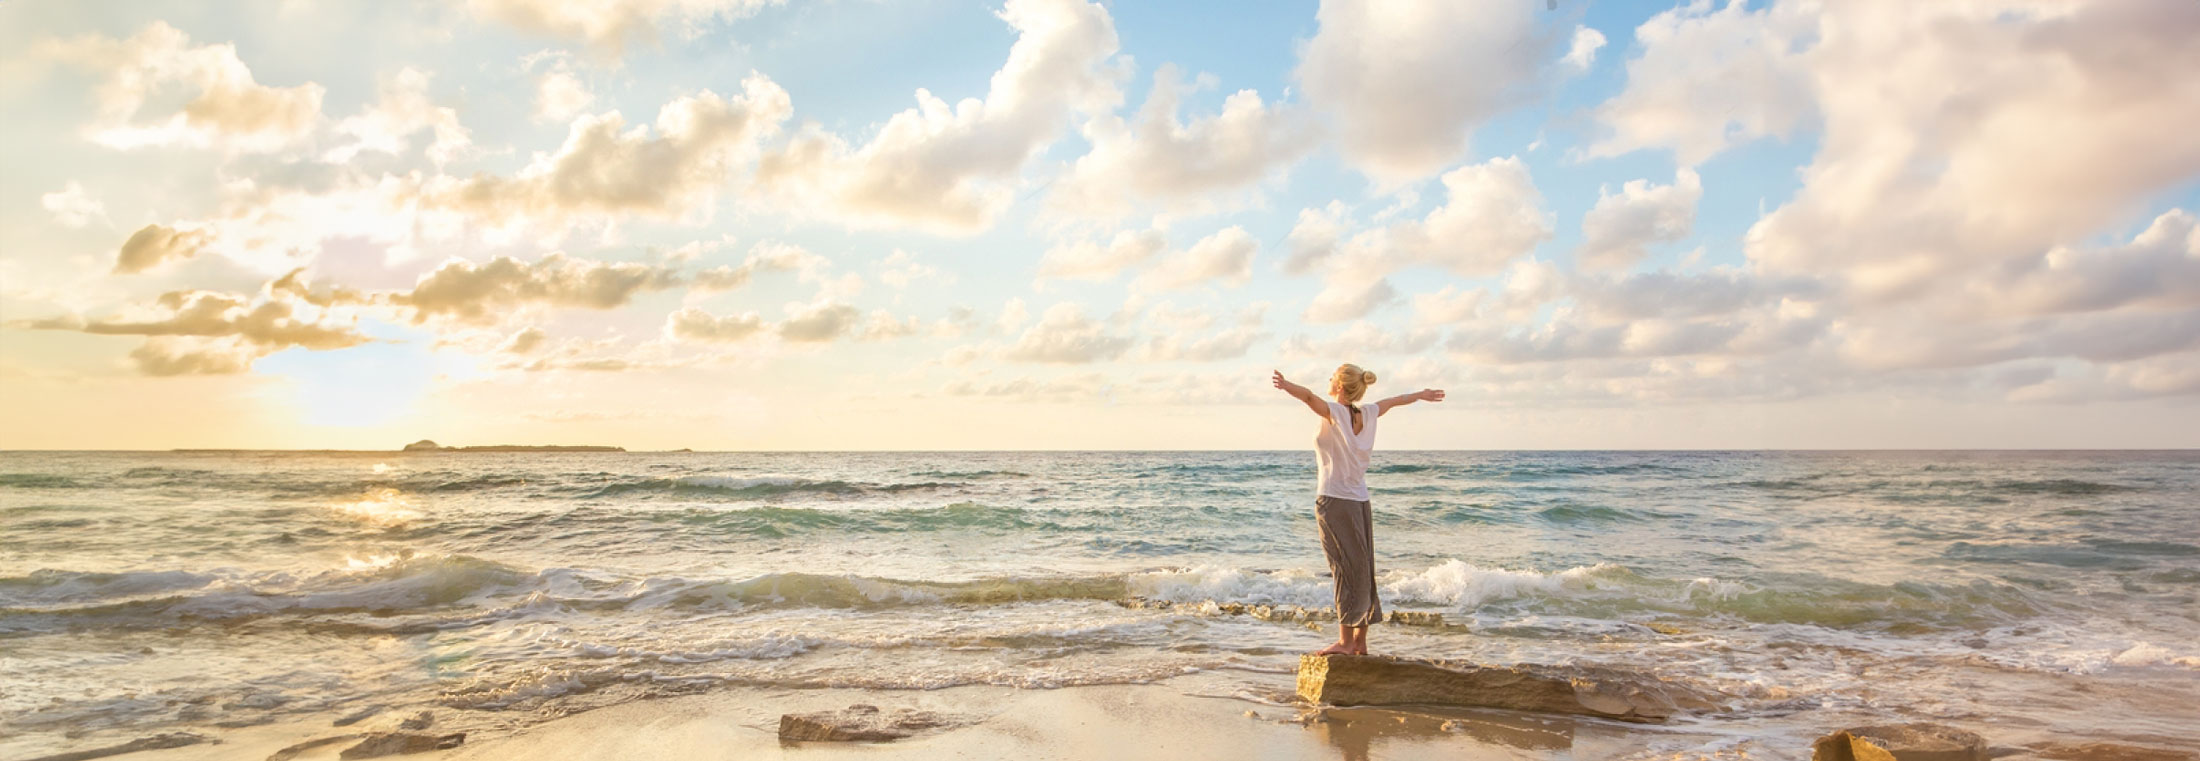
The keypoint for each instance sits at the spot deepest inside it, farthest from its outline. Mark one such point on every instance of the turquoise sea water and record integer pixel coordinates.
(2034, 592)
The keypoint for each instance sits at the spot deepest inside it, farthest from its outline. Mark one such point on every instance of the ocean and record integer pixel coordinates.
(2037, 592)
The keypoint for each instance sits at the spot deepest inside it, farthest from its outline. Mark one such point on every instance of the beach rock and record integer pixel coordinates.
(1900, 742)
(2062, 751)
(859, 723)
(400, 743)
(1349, 680)
(419, 721)
(358, 716)
(294, 751)
(155, 742)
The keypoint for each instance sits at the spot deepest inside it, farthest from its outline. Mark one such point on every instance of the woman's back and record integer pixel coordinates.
(1342, 455)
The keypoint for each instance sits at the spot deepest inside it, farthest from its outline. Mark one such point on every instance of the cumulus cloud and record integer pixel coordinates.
(71, 206)
(206, 332)
(1361, 339)
(610, 26)
(605, 168)
(1091, 260)
(484, 293)
(765, 256)
(1492, 214)
(560, 94)
(526, 341)
(1064, 335)
(1156, 156)
(900, 269)
(1404, 82)
(1191, 335)
(1619, 230)
(953, 168)
(153, 245)
(162, 357)
(820, 322)
(402, 109)
(1707, 79)
(227, 107)
(1225, 257)
(1583, 52)
(2158, 269)
(697, 326)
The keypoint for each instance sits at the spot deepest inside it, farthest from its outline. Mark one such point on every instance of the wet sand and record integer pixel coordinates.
(1178, 719)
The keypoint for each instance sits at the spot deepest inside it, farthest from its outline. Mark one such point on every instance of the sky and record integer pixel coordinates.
(1056, 224)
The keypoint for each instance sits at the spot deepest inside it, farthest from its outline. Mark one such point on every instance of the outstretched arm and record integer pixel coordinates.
(1423, 395)
(1300, 393)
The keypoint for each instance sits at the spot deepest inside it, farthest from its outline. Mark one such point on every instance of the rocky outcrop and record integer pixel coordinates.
(155, 742)
(1349, 680)
(400, 743)
(860, 723)
(1900, 742)
(299, 749)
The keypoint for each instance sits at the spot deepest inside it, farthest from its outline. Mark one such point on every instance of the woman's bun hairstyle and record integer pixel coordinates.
(1354, 381)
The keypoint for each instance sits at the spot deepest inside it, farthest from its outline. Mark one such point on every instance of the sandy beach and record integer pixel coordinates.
(1177, 718)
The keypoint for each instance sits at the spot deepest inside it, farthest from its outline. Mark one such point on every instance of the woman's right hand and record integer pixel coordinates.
(1429, 395)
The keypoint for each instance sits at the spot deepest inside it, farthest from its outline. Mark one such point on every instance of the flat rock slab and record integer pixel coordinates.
(2062, 751)
(400, 743)
(861, 723)
(1900, 742)
(155, 742)
(1364, 680)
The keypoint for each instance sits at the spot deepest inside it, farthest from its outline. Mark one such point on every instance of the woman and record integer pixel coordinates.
(1341, 507)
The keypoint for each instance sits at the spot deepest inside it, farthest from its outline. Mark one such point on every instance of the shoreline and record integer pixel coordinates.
(1183, 717)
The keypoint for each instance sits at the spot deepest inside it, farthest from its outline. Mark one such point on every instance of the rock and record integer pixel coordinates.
(358, 716)
(423, 445)
(1900, 742)
(399, 743)
(2061, 751)
(419, 721)
(1349, 680)
(155, 742)
(293, 751)
(859, 723)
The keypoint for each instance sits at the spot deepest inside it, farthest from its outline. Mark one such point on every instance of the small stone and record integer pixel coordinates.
(1252, 714)
(358, 716)
(400, 743)
(1453, 725)
(295, 750)
(419, 721)
(155, 742)
(1900, 742)
(859, 723)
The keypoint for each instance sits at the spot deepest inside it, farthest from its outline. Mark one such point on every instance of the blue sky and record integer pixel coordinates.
(1812, 226)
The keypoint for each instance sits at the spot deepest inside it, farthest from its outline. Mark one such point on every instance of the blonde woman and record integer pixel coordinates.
(1341, 507)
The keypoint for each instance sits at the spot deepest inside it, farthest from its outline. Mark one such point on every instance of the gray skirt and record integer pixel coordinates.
(1348, 538)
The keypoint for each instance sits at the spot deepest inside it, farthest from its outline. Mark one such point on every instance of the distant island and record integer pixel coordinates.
(425, 445)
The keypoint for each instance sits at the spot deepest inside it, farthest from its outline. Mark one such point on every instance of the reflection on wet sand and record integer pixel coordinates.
(1493, 734)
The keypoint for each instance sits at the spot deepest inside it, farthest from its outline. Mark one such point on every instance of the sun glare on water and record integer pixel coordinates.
(380, 507)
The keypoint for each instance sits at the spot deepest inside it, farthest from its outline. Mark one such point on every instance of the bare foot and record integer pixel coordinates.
(1336, 649)
(1357, 651)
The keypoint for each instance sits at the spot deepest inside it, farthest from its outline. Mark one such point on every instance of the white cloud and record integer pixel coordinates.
(153, 245)
(402, 109)
(1492, 215)
(609, 26)
(71, 206)
(953, 168)
(2040, 126)
(1708, 79)
(1618, 231)
(1361, 339)
(487, 293)
(560, 95)
(1064, 335)
(1583, 52)
(1159, 157)
(1406, 81)
(697, 326)
(227, 109)
(1089, 260)
(1225, 256)
(900, 269)
(607, 169)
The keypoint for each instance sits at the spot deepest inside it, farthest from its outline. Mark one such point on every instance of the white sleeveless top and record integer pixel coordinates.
(1343, 456)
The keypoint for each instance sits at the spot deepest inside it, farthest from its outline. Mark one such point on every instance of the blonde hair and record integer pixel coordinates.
(1352, 381)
